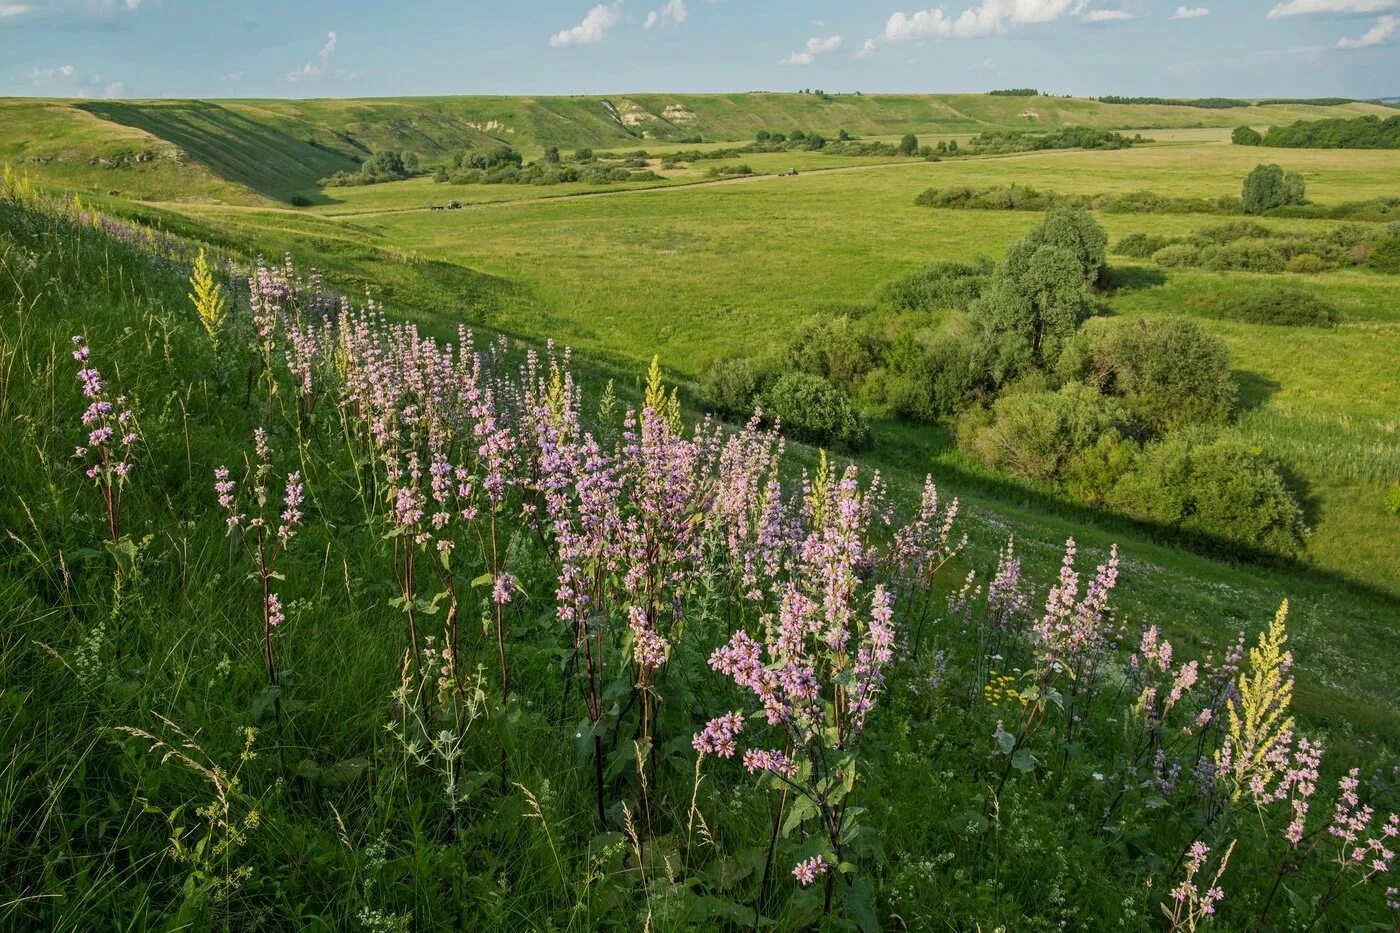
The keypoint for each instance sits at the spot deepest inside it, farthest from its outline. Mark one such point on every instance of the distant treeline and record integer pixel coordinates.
(1015, 92)
(1021, 198)
(1311, 101)
(1360, 133)
(1071, 137)
(1209, 103)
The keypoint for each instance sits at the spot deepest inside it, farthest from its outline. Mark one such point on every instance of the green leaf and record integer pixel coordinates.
(1023, 760)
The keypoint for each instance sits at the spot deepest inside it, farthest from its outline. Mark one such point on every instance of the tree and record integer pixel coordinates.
(908, 144)
(410, 162)
(763, 136)
(1268, 187)
(583, 154)
(551, 155)
(1246, 136)
(843, 136)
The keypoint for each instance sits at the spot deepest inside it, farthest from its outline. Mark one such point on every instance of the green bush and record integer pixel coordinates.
(1069, 228)
(732, 387)
(1306, 263)
(1213, 489)
(1038, 434)
(1141, 245)
(1167, 370)
(812, 409)
(1385, 257)
(1177, 255)
(1286, 307)
(941, 380)
(1092, 474)
(1268, 187)
(833, 348)
(1243, 256)
(1246, 136)
(936, 286)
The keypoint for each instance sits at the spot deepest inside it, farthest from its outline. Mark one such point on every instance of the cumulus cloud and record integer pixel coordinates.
(595, 25)
(1309, 7)
(72, 81)
(1107, 16)
(322, 63)
(815, 46)
(1190, 12)
(13, 9)
(1378, 34)
(673, 12)
(987, 17)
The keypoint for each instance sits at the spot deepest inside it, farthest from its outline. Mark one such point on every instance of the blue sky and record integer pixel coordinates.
(306, 48)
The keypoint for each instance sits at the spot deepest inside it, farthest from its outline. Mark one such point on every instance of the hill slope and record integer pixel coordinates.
(251, 151)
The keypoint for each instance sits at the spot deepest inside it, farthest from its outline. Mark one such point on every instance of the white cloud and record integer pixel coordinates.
(673, 12)
(322, 64)
(1190, 12)
(987, 18)
(1307, 7)
(232, 76)
(595, 25)
(1385, 27)
(71, 81)
(72, 7)
(1107, 16)
(815, 46)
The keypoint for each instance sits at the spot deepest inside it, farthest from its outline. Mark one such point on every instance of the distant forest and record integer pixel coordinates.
(1359, 133)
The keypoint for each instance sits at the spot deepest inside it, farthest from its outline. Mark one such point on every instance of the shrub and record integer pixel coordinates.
(1213, 489)
(1168, 371)
(1287, 307)
(1268, 187)
(299, 200)
(1141, 245)
(1092, 474)
(1385, 256)
(732, 387)
(1246, 136)
(1243, 256)
(908, 144)
(833, 348)
(813, 410)
(1177, 255)
(936, 286)
(1306, 263)
(1232, 231)
(1038, 434)
(930, 383)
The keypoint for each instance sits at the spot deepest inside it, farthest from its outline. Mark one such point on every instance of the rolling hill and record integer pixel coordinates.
(260, 151)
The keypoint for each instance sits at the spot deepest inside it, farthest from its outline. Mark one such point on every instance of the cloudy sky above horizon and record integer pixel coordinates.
(356, 48)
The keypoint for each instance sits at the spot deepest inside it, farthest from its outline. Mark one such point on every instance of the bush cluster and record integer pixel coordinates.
(1249, 247)
(1284, 307)
(1368, 132)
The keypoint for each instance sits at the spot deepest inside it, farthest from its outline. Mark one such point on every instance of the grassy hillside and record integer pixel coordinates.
(170, 768)
(246, 151)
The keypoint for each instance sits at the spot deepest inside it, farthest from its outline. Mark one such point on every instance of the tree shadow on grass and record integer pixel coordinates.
(1255, 389)
(1131, 278)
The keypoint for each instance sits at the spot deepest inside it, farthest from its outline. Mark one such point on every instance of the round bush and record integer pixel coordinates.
(1286, 307)
(1215, 490)
(1168, 371)
(1140, 245)
(813, 410)
(1037, 434)
(1306, 263)
(732, 387)
(1176, 256)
